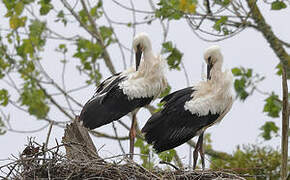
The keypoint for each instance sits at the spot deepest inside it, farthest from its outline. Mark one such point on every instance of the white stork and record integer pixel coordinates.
(190, 111)
(128, 91)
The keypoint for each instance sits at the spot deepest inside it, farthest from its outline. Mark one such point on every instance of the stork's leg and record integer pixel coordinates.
(198, 148)
(132, 134)
(201, 151)
(195, 156)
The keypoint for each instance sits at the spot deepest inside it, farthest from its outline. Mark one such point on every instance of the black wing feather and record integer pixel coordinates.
(174, 125)
(109, 105)
(106, 82)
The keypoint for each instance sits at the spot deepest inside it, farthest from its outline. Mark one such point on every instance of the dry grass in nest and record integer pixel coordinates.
(37, 162)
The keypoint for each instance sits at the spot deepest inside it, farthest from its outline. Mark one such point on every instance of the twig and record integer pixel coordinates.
(172, 165)
(48, 135)
(99, 134)
(116, 135)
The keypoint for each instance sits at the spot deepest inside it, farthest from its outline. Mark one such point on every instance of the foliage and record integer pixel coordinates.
(168, 155)
(273, 106)
(278, 5)
(4, 97)
(174, 55)
(268, 128)
(145, 150)
(35, 99)
(252, 160)
(245, 81)
(2, 127)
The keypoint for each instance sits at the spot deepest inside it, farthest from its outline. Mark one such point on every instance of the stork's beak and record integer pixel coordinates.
(138, 56)
(209, 67)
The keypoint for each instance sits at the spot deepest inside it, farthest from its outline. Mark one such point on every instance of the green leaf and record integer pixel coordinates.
(165, 92)
(278, 5)
(145, 151)
(16, 22)
(167, 156)
(159, 107)
(222, 2)
(174, 55)
(249, 73)
(19, 8)
(106, 34)
(46, 6)
(240, 85)
(61, 17)
(35, 99)
(139, 143)
(245, 81)
(218, 24)
(37, 29)
(168, 10)
(4, 97)
(268, 129)
(83, 16)
(95, 12)
(279, 72)
(2, 127)
(236, 71)
(273, 106)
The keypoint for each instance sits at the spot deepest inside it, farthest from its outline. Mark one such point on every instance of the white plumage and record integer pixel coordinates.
(189, 112)
(214, 95)
(128, 91)
(149, 80)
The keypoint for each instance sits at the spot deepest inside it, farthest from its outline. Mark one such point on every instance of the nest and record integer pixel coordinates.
(81, 161)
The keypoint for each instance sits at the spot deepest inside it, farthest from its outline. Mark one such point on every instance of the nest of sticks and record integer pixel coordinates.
(81, 161)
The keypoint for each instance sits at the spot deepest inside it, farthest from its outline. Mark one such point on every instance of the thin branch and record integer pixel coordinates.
(185, 74)
(92, 32)
(130, 9)
(116, 135)
(53, 101)
(116, 37)
(64, 87)
(28, 131)
(134, 30)
(104, 135)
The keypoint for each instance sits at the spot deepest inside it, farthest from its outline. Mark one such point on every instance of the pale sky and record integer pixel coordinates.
(240, 126)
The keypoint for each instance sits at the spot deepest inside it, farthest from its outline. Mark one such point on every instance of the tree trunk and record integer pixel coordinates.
(78, 143)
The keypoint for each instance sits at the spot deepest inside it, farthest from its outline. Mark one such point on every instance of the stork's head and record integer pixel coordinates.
(141, 44)
(213, 57)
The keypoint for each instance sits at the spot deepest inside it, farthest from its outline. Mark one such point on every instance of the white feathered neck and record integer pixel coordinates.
(213, 96)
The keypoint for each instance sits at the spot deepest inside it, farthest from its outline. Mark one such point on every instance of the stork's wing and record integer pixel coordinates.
(174, 125)
(106, 82)
(110, 104)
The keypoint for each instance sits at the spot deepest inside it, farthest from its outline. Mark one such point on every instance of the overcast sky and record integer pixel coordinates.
(240, 126)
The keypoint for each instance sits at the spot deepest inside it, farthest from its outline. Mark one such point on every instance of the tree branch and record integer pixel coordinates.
(54, 102)
(285, 124)
(269, 35)
(94, 32)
